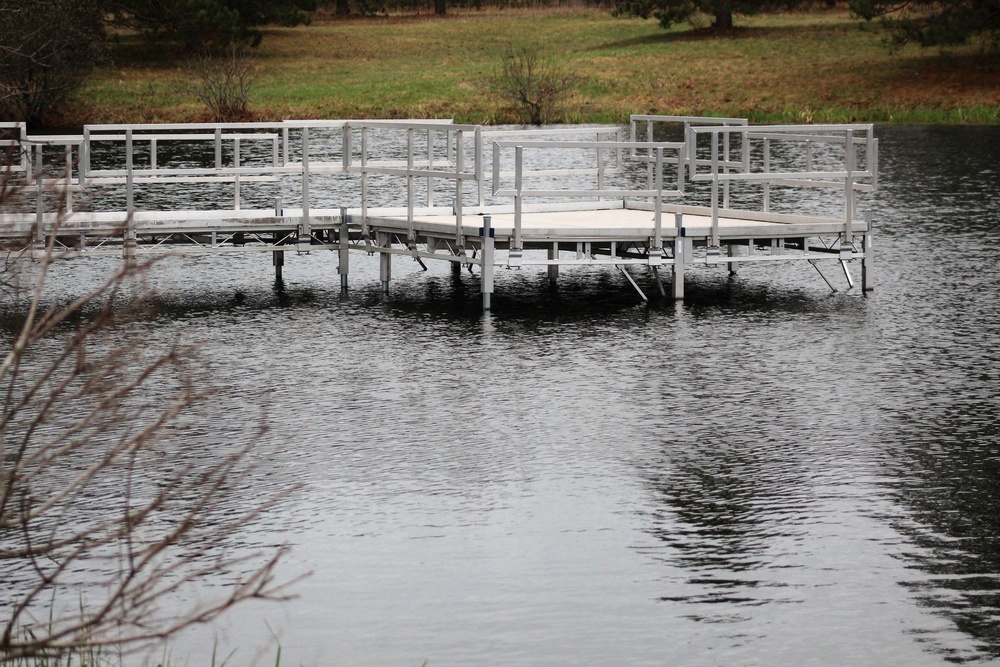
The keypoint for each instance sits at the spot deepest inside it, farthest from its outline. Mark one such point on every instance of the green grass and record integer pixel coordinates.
(819, 66)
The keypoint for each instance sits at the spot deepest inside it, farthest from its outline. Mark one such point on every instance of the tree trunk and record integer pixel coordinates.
(343, 8)
(723, 15)
(440, 7)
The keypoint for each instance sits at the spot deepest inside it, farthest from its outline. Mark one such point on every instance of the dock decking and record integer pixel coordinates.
(722, 192)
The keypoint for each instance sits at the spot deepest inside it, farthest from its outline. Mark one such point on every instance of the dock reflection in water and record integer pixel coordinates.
(761, 475)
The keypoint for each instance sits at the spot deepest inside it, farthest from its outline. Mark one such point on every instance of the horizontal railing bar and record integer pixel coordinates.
(688, 119)
(52, 140)
(553, 132)
(818, 138)
(772, 175)
(261, 136)
(806, 129)
(670, 145)
(140, 127)
(184, 179)
(511, 192)
(443, 126)
(423, 173)
(834, 185)
(589, 171)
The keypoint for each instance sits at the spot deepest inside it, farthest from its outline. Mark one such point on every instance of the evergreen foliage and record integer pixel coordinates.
(204, 23)
(672, 12)
(935, 22)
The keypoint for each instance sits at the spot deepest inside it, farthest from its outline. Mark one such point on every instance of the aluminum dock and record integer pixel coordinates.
(666, 193)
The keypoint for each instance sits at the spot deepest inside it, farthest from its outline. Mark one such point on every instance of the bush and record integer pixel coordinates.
(528, 85)
(222, 82)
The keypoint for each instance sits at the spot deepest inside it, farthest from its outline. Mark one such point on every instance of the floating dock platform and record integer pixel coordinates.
(667, 194)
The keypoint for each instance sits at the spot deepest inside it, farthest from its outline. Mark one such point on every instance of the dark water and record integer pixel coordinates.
(766, 474)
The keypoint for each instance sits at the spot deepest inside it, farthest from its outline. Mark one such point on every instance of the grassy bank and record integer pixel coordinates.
(794, 67)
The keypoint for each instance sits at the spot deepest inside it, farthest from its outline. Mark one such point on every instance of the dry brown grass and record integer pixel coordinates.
(801, 66)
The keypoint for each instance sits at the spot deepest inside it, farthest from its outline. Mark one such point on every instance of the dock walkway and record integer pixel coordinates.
(719, 192)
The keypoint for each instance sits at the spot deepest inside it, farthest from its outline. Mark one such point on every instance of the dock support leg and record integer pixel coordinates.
(278, 259)
(456, 269)
(554, 268)
(130, 244)
(731, 251)
(867, 262)
(680, 258)
(486, 263)
(344, 250)
(384, 260)
(659, 282)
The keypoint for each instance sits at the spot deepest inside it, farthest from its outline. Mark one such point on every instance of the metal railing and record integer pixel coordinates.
(650, 123)
(419, 162)
(850, 179)
(519, 191)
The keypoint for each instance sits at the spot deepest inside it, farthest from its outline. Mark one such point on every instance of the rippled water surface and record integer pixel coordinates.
(766, 474)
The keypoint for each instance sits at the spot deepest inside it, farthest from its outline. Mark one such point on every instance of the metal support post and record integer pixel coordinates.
(344, 249)
(553, 268)
(278, 259)
(486, 259)
(680, 259)
(383, 240)
(731, 251)
(277, 256)
(867, 262)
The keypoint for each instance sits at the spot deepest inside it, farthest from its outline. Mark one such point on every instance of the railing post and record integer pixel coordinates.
(459, 168)
(410, 235)
(69, 178)
(767, 169)
(849, 159)
(480, 185)
(656, 252)
(39, 197)
(218, 148)
(365, 232)
(236, 176)
(305, 227)
(84, 168)
(600, 170)
(713, 251)
(129, 242)
(430, 166)
(649, 156)
(514, 254)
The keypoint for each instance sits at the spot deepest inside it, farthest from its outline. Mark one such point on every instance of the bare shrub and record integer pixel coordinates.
(528, 84)
(108, 531)
(222, 81)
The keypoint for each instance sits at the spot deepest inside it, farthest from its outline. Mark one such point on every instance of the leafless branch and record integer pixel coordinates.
(94, 504)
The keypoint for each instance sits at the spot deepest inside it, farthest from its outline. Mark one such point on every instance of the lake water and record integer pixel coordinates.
(765, 474)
